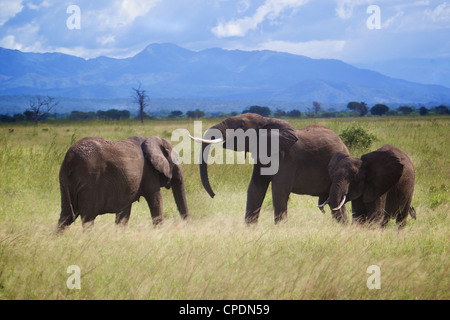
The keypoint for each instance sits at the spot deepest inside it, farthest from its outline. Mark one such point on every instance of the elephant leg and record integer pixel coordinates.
(255, 197)
(359, 213)
(155, 203)
(123, 216)
(385, 220)
(401, 220)
(67, 216)
(340, 215)
(87, 222)
(402, 216)
(375, 211)
(321, 202)
(280, 197)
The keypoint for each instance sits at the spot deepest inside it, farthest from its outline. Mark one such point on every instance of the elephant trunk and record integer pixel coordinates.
(206, 145)
(178, 190)
(204, 170)
(338, 195)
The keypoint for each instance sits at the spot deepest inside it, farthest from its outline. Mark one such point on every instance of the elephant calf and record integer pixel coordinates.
(99, 176)
(380, 185)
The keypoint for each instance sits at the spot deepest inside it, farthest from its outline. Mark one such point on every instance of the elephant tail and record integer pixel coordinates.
(412, 212)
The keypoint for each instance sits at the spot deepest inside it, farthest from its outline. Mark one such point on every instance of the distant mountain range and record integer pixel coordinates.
(169, 71)
(430, 71)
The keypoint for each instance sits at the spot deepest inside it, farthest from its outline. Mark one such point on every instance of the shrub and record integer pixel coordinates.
(263, 111)
(357, 138)
(379, 109)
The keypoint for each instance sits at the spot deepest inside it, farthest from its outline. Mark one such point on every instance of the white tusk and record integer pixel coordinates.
(323, 204)
(320, 206)
(340, 204)
(200, 140)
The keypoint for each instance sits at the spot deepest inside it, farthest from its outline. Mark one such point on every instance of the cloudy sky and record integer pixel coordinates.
(350, 30)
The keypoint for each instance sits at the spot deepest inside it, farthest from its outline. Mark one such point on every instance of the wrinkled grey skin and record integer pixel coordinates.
(380, 185)
(99, 176)
(303, 164)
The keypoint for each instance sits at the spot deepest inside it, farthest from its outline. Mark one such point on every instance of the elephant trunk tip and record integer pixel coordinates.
(204, 170)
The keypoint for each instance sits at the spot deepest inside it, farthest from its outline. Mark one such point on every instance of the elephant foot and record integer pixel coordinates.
(251, 216)
(280, 217)
(157, 221)
(251, 221)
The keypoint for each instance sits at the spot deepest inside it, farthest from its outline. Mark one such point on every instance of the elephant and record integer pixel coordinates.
(380, 185)
(99, 176)
(302, 155)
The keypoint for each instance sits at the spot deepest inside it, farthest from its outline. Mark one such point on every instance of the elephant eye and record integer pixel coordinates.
(165, 152)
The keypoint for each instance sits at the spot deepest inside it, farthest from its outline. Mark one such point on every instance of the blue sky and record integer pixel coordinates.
(316, 28)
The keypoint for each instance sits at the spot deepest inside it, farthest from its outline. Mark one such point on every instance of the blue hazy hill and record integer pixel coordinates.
(169, 71)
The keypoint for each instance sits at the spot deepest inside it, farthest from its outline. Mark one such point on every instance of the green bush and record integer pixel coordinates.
(357, 138)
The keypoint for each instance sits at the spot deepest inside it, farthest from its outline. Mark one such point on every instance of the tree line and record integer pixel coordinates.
(40, 109)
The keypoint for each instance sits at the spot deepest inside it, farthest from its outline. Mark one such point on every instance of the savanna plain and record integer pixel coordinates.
(214, 255)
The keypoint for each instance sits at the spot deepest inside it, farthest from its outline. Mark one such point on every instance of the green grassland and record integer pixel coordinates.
(215, 255)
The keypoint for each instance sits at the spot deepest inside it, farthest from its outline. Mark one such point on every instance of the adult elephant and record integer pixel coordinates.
(302, 156)
(100, 176)
(380, 185)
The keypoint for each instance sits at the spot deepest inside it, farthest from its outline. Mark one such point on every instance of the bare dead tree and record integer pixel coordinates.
(41, 106)
(316, 107)
(140, 98)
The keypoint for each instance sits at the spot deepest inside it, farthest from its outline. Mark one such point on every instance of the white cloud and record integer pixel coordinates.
(25, 38)
(325, 49)
(440, 13)
(9, 8)
(106, 40)
(243, 6)
(392, 19)
(10, 43)
(122, 12)
(271, 10)
(344, 8)
(43, 4)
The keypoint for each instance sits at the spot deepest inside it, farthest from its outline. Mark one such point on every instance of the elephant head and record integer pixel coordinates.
(165, 160)
(162, 156)
(367, 178)
(235, 134)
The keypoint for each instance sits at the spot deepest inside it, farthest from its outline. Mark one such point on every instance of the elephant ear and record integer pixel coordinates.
(286, 133)
(159, 153)
(382, 170)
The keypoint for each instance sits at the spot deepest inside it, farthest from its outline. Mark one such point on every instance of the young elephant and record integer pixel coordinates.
(380, 185)
(99, 176)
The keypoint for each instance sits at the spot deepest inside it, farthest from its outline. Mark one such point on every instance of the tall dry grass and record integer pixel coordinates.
(215, 255)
